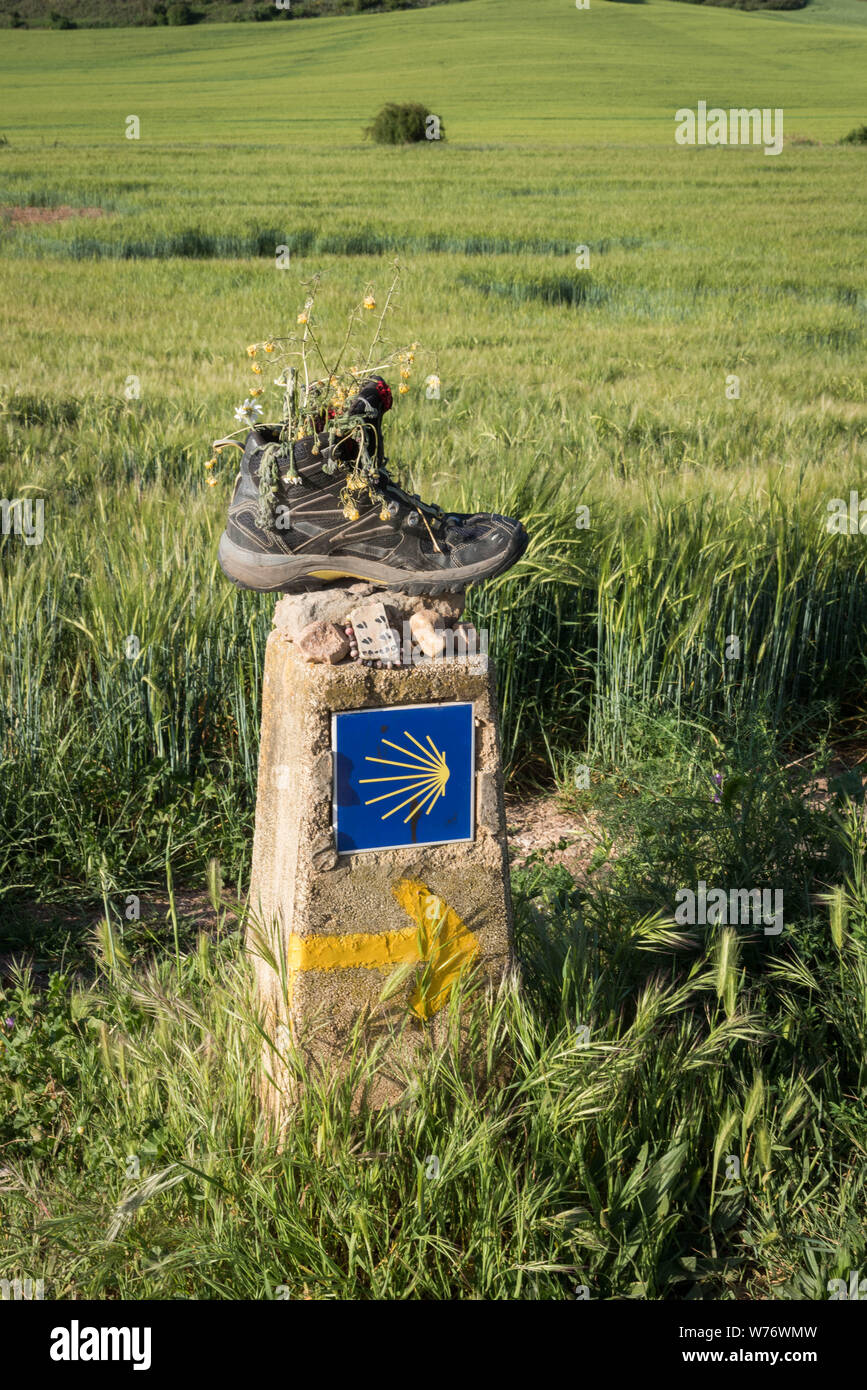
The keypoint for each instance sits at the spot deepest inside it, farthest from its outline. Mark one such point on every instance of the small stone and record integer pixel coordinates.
(323, 642)
(371, 628)
(427, 628)
(335, 603)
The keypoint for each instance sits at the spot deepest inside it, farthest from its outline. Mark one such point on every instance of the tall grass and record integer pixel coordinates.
(565, 1161)
(105, 745)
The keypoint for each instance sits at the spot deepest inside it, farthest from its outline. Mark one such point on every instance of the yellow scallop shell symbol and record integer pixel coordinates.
(425, 777)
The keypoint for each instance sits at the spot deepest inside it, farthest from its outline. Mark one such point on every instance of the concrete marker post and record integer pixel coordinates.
(336, 918)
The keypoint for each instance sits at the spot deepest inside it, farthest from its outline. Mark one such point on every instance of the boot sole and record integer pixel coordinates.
(291, 573)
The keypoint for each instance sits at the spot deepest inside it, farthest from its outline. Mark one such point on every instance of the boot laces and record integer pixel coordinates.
(414, 500)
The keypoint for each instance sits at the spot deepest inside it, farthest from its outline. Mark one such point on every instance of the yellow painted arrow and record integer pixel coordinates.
(438, 937)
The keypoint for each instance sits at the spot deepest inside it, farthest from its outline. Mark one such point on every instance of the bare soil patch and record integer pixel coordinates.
(541, 826)
(20, 217)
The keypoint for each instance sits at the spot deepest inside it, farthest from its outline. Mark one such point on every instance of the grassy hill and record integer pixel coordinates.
(501, 73)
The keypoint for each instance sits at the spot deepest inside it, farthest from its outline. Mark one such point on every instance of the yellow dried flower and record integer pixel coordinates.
(210, 463)
(369, 301)
(251, 350)
(303, 317)
(269, 347)
(351, 513)
(212, 482)
(257, 369)
(403, 388)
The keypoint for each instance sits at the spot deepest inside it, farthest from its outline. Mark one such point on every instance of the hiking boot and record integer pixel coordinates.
(324, 510)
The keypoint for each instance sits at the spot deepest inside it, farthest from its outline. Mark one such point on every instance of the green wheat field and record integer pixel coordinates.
(133, 1163)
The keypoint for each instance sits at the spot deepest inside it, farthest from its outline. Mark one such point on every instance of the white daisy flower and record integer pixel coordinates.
(248, 413)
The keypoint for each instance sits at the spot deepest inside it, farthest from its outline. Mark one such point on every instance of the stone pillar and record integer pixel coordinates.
(327, 926)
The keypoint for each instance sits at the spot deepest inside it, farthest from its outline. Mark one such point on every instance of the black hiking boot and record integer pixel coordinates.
(327, 512)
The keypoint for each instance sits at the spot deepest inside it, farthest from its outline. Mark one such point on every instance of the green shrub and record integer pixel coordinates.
(405, 124)
(858, 136)
(61, 21)
(180, 13)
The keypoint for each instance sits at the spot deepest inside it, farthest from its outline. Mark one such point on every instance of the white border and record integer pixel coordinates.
(413, 844)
